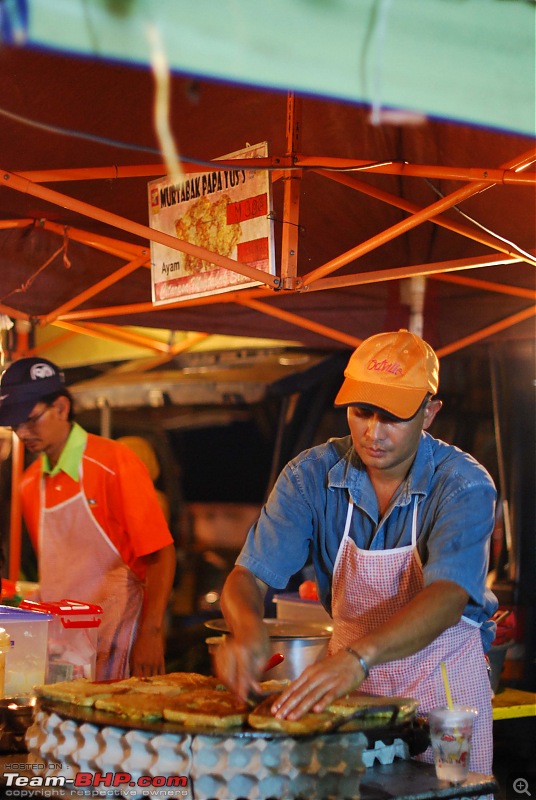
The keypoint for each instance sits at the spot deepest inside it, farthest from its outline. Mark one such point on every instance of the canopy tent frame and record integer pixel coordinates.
(290, 168)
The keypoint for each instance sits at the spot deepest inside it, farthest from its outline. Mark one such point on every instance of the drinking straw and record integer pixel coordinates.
(446, 684)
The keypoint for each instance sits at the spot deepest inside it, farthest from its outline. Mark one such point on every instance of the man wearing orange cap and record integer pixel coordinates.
(397, 524)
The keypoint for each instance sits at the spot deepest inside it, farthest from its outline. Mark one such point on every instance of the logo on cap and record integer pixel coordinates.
(38, 371)
(393, 367)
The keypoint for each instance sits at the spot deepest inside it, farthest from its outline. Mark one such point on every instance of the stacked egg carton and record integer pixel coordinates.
(214, 767)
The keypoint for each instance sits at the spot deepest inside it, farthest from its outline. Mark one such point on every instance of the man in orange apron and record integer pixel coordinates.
(397, 525)
(94, 520)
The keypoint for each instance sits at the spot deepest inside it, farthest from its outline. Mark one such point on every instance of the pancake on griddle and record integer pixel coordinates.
(134, 705)
(206, 708)
(185, 681)
(172, 683)
(262, 718)
(274, 685)
(376, 709)
(80, 691)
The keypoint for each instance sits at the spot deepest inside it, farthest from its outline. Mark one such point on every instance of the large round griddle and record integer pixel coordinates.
(371, 727)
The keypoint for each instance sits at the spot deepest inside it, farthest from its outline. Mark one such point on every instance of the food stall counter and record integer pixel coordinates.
(514, 703)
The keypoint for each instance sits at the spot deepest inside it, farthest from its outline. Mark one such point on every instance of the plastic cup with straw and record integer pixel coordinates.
(450, 733)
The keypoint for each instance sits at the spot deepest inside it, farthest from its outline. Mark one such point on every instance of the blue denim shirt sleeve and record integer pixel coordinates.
(301, 519)
(278, 545)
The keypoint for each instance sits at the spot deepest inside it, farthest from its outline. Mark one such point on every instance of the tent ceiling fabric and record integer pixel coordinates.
(477, 55)
(52, 255)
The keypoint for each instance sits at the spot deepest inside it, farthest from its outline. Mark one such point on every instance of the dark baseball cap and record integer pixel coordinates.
(23, 384)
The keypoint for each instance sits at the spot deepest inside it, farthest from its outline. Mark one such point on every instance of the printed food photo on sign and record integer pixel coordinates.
(205, 224)
(225, 211)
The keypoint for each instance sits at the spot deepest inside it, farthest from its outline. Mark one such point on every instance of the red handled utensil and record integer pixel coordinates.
(254, 698)
(273, 661)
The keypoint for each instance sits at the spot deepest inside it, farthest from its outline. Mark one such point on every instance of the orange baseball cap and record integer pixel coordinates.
(392, 371)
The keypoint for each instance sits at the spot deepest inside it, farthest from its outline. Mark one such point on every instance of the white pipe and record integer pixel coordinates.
(417, 291)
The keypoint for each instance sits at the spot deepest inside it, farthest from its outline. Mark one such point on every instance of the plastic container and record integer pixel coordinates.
(27, 656)
(72, 639)
(5, 647)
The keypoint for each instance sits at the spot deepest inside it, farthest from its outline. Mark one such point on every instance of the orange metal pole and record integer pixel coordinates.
(12, 312)
(156, 361)
(140, 308)
(145, 170)
(15, 523)
(96, 173)
(115, 247)
(6, 224)
(114, 334)
(291, 200)
(96, 288)
(521, 316)
(398, 273)
(13, 181)
(44, 346)
(508, 176)
(406, 205)
(301, 322)
(411, 222)
(479, 174)
(490, 286)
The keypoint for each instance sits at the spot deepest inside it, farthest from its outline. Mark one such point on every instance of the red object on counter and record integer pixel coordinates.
(506, 626)
(9, 588)
(307, 590)
(65, 609)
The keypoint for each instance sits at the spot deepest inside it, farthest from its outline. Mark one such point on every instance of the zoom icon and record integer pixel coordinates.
(521, 786)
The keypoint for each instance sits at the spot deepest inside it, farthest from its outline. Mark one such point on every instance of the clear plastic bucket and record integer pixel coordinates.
(72, 640)
(27, 656)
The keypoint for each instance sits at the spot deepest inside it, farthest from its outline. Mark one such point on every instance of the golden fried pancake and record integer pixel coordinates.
(262, 718)
(274, 685)
(206, 707)
(185, 681)
(134, 705)
(80, 691)
(377, 709)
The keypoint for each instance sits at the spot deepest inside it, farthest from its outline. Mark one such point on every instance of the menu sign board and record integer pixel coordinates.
(226, 211)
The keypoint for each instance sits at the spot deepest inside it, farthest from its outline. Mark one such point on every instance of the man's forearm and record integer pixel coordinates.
(433, 610)
(158, 584)
(242, 600)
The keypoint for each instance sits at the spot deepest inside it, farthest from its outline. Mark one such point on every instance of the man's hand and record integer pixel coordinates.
(147, 654)
(241, 657)
(319, 685)
(239, 664)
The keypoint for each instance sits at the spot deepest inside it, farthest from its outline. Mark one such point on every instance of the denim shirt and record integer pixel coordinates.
(305, 515)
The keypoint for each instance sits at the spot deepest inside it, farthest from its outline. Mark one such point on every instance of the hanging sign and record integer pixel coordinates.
(226, 211)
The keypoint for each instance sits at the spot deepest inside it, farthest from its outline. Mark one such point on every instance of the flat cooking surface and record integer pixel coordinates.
(104, 718)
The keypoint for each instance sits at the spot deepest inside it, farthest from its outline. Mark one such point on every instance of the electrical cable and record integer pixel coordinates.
(210, 164)
(189, 159)
(516, 247)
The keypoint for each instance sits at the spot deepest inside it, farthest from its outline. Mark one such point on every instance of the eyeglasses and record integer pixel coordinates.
(31, 422)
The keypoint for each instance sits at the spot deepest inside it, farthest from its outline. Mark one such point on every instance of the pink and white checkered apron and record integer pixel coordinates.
(369, 586)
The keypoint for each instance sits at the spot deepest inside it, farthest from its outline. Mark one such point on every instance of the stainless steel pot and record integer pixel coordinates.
(301, 644)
